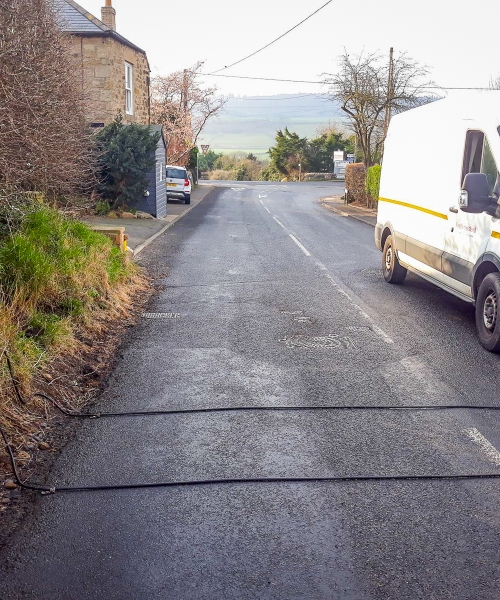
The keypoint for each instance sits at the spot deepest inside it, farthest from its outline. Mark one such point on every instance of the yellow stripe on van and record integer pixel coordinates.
(495, 234)
(415, 207)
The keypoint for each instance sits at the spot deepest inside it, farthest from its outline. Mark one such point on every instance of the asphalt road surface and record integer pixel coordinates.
(278, 301)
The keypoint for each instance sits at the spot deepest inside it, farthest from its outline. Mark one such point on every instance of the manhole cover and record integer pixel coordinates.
(152, 315)
(319, 341)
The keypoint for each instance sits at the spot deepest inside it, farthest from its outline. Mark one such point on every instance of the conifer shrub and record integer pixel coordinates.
(126, 155)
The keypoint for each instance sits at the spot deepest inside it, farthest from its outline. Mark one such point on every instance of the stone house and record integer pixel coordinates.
(115, 72)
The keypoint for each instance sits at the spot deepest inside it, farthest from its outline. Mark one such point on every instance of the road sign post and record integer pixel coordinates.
(204, 148)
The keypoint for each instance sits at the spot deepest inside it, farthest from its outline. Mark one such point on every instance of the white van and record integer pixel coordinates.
(439, 215)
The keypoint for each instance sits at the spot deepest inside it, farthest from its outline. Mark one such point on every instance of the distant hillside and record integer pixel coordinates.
(249, 124)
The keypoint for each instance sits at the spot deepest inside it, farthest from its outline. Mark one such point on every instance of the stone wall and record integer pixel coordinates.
(102, 61)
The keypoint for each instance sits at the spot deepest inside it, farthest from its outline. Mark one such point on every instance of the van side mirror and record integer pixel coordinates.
(475, 194)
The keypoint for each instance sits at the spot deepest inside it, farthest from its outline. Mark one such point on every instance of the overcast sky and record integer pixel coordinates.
(458, 40)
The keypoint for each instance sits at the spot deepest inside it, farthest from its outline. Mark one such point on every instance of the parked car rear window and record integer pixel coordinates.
(176, 173)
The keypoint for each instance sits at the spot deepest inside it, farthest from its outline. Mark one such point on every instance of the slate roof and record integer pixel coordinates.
(74, 19)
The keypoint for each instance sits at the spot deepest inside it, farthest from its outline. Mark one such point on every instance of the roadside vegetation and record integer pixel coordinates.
(237, 166)
(125, 156)
(55, 273)
(290, 150)
(63, 286)
(60, 283)
(369, 89)
(314, 156)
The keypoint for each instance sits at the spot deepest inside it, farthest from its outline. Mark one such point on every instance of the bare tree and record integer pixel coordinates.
(367, 87)
(45, 144)
(182, 106)
(495, 83)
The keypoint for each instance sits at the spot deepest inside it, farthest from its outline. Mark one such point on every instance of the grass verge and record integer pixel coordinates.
(62, 285)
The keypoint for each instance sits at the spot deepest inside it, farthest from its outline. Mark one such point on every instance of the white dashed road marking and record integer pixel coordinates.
(264, 206)
(374, 327)
(304, 250)
(486, 446)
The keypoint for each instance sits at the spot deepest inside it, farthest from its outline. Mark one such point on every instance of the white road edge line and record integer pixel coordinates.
(304, 250)
(279, 223)
(486, 446)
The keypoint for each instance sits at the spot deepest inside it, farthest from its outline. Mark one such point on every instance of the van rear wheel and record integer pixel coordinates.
(487, 312)
(392, 269)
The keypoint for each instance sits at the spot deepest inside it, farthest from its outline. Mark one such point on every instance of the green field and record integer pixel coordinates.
(250, 124)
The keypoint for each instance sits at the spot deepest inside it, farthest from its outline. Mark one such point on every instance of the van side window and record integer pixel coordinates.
(489, 167)
(478, 158)
(473, 153)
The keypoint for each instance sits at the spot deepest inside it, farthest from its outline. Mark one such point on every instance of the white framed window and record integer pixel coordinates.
(162, 172)
(129, 89)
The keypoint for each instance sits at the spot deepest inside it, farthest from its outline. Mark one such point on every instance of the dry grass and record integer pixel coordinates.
(72, 374)
(221, 175)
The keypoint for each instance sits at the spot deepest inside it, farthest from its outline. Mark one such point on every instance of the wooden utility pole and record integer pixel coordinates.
(390, 92)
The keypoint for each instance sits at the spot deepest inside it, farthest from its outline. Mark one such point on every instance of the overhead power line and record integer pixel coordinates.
(258, 107)
(274, 41)
(261, 78)
(440, 87)
(274, 98)
(429, 87)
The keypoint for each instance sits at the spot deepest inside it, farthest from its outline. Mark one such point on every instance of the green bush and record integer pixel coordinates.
(373, 183)
(241, 173)
(102, 208)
